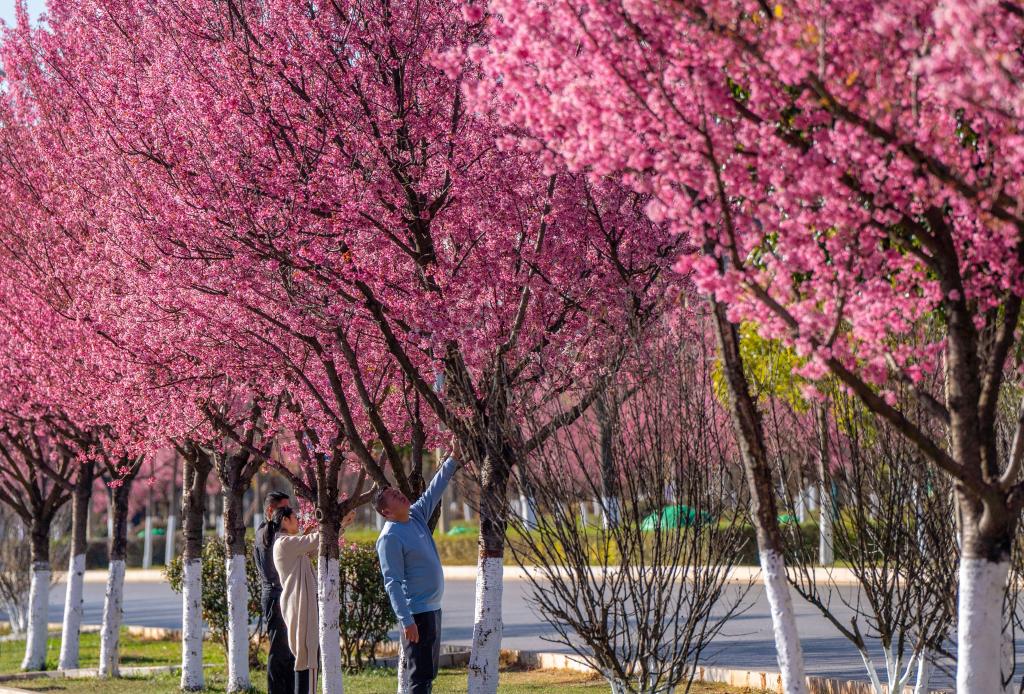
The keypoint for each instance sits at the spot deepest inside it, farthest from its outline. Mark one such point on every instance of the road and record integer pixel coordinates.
(746, 641)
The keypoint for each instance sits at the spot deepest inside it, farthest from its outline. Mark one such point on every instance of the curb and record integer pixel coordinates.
(130, 576)
(764, 680)
(840, 576)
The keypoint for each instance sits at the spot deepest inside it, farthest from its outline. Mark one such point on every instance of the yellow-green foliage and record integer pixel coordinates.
(769, 366)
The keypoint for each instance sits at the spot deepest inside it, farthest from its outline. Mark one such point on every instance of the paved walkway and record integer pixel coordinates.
(746, 641)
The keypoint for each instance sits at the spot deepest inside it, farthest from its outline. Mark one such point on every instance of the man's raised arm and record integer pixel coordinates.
(426, 504)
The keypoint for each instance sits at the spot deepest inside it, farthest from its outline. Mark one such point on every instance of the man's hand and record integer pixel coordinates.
(412, 634)
(348, 519)
(457, 453)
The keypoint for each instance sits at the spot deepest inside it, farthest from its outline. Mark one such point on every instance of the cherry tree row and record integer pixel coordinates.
(248, 223)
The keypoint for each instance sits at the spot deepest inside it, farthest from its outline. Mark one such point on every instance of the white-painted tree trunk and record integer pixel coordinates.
(38, 601)
(980, 626)
(238, 624)
(404, 683)
(73, 611)
(872, 672)
(220, 526)
(192, 678)
(898, 672)
(147, 544)
(787, 640)
(801, 506)
(110, 632)
(611, 512)
(583, 513)
(486, 648)
(328, 588)
(467, 512)
(529, 510)
(17, 613)
(110, 522)
(826, 543)
(378, 521)
(172, 528)
(924, 674)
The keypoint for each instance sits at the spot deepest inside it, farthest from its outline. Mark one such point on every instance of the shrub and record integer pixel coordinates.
(215, 593)
(366, 612)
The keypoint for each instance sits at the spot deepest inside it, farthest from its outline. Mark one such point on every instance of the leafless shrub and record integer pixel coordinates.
(640, 597)
(897, 535)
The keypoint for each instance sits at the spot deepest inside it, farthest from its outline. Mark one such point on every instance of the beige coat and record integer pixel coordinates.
(298, 595)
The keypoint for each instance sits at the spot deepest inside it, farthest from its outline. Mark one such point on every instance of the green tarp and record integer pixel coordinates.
(679, 516)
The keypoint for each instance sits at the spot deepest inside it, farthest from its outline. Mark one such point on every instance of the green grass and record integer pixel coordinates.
(134, 652)
(372, 682)
(137, 652)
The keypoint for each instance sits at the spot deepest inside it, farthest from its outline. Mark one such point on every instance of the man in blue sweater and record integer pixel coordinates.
(412, 572)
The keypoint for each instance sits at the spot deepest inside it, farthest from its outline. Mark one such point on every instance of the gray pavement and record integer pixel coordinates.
(746, 641)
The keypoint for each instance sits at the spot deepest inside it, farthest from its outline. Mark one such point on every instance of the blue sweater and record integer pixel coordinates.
(413, 577)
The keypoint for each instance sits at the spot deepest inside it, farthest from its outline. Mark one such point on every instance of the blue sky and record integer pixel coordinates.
(7, 9)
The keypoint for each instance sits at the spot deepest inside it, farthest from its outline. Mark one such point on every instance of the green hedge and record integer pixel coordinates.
(454, 550)
(463, 550)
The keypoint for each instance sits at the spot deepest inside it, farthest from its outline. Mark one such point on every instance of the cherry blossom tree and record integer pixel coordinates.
(196, 468)
(81, 489)
(849, 173)
(25, 452)
(235, 466)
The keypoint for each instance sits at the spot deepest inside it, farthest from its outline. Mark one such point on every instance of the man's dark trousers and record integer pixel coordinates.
(422, 657)
(280, 661)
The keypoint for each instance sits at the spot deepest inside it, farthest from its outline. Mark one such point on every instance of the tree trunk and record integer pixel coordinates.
(172, 508)
(147, 540)
(924, 674)
(195, 472)
(237, 586)
(984, 568)
(610, 506)
(404, 683)
(73, 599)
(110, 517)
(826, 503)
(39, 595)
(527, 504)
(826, 542)
(110, 632)
(487, 625)
(172, 529)
(750, 438)
(328, 589)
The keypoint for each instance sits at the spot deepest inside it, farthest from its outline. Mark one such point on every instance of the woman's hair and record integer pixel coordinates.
(279, 515)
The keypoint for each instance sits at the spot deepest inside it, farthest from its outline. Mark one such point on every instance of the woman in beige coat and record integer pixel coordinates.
(292, 553)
